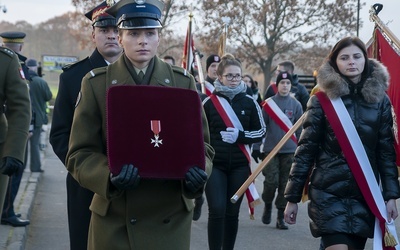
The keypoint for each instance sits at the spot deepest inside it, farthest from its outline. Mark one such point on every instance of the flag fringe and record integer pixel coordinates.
(390, 240)
(255, 203)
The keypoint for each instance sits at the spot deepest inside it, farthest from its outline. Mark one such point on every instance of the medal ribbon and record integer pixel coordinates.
(155, 126)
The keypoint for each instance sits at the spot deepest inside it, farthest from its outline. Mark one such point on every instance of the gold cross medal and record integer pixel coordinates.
(156, 128)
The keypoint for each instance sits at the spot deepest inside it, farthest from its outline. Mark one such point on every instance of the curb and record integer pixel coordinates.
(14, 238)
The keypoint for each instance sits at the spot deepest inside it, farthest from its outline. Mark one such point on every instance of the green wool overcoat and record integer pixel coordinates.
(155, 215)
(15, 107)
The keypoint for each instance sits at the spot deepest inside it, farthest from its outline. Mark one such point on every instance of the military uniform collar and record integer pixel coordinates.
(118, 74)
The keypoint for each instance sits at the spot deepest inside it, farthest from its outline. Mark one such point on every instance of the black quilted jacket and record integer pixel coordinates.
(228, 156)
(336, 203)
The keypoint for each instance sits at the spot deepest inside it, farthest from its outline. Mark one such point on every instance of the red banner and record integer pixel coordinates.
(383, 51)
(185, 58)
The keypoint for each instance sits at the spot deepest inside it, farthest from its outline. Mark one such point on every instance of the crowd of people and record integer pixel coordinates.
(345, 141)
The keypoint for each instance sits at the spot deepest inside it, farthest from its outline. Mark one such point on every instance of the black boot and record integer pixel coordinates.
(280, 222)
(266, 218)
(198, 203)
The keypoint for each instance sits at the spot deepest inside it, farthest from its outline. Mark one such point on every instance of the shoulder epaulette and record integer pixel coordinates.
(181, 71)
(72, 65)
(97, 71)
(7, 51)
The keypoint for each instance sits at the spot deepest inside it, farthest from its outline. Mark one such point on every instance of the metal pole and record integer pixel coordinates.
(358, 17)
(189, 47)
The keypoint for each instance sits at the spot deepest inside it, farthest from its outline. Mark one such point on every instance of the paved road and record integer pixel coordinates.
(48, 229)
(43, 200)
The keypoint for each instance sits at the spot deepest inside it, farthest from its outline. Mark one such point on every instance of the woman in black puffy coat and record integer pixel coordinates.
(338, 211)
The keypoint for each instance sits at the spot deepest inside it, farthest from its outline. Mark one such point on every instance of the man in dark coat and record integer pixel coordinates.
(104, 35)
(298, 90)
(40, 94)
(14, 40)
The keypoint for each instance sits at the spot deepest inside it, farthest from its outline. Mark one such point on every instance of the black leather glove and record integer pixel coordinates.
(10, 165)
(195, 179)
(257, 155)
(128, 178)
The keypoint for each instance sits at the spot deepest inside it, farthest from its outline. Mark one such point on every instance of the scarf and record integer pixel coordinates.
(229, 92)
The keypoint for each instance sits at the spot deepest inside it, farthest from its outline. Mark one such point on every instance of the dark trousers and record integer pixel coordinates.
(11, 194)
(78, 199)
(35, 150)
(223, 215)
(276, 177)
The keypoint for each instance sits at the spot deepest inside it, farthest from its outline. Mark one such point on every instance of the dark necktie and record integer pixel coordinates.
(141, 75)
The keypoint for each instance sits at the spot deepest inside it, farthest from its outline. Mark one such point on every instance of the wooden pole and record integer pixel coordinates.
(267, 159)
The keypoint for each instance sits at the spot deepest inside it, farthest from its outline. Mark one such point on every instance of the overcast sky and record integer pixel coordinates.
(36, 11)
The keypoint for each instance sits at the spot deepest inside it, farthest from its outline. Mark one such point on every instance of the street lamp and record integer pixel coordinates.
(3, 8)
(358, 16)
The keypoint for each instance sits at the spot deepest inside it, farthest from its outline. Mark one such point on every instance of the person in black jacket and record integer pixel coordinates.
(298, 90)
(104, 36)
(230, 165)
(339, 212)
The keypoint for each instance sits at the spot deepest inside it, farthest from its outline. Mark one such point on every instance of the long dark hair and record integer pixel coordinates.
(253, 83)
(346, 42)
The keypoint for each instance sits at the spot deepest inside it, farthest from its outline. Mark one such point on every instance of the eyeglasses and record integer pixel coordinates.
(230, 77)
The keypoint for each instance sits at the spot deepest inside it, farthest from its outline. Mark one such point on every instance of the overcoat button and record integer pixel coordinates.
(166, 221)
(133, 221)
(167, 81)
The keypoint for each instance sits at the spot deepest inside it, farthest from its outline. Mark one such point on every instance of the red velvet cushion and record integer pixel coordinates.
(130, 139)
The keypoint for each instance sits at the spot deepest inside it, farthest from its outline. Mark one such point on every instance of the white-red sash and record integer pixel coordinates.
(274, 87)
(360, 166)
(231, 120)
(209, 88)
(278, 116)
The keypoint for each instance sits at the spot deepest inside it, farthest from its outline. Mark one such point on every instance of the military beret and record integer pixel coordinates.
(13, 36)
(137, 14)
(99, 16)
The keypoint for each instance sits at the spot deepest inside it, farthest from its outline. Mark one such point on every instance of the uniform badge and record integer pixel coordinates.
(21, 73)
(156, 128)
(289, 113)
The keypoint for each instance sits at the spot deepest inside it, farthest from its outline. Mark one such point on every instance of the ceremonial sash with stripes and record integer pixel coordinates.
(274, 87)
(278, 116)
(231, 120)
(360, 166)
(209, 88)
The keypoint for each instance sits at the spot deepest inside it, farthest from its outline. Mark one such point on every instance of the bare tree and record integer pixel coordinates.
(261, 30)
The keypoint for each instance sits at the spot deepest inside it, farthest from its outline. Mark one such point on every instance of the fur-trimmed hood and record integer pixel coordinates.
(374, 87)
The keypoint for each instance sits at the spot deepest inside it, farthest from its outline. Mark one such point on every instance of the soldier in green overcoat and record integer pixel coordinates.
(15, 116)
(129, 212)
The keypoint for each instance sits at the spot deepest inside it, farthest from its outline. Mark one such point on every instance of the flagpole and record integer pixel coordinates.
(188, 49)
(378, 22)
(224, 36)
(200, 71)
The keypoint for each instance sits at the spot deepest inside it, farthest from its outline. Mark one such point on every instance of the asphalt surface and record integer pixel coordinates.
(42, 199)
